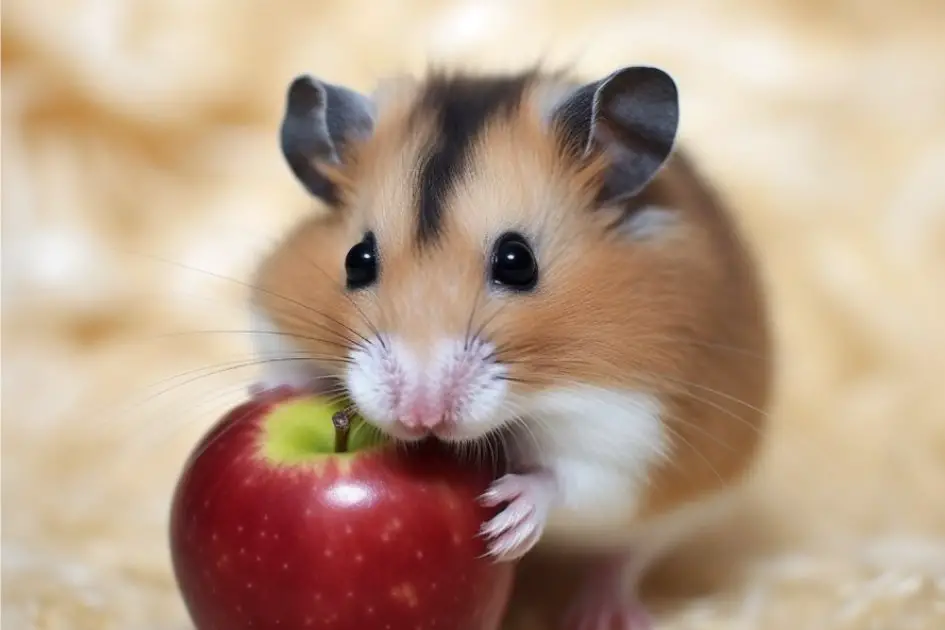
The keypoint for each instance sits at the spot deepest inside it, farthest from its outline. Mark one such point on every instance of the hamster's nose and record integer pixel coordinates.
(420, 414)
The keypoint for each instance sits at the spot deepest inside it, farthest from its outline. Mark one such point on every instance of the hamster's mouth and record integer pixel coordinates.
(459, 434)
(448, 433)
(406, 433)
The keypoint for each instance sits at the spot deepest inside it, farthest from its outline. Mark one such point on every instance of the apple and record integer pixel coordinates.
(289, 514)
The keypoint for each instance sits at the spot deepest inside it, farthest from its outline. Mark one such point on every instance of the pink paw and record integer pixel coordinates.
(603, 606)
(515, 530)
(609, 614)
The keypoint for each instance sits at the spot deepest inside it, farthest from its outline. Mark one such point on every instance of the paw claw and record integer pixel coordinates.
(514, 545)
(512, 516)
(504, 489)
(489, 498)
(519, 526)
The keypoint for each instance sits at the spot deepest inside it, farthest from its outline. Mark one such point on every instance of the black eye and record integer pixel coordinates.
(513, 264)
(361, 263)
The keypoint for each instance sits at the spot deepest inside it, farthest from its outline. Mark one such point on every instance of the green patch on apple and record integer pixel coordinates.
(306, 429)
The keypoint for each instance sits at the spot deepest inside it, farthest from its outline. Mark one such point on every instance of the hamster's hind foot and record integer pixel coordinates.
(605, 602)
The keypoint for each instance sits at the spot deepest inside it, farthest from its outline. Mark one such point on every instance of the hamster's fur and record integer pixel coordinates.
(530, 259)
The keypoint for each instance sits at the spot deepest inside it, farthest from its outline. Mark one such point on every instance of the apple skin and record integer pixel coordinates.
(378, 538)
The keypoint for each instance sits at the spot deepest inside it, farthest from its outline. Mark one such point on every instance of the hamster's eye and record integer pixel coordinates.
(513, 264)
(361, 263)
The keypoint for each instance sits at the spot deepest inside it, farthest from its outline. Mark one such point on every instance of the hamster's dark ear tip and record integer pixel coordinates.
(665, 79)
(305, 93)
(652, 76)
(656, 73)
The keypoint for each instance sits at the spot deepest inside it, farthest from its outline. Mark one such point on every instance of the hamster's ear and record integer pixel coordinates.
(319, 120)
(631, 115)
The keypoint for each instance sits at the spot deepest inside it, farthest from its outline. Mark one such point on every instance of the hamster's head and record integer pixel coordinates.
(481, 248)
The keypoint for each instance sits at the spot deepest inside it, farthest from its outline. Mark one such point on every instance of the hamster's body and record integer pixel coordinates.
(526, 258)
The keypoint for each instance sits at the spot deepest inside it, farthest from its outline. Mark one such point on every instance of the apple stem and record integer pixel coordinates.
(342, 430)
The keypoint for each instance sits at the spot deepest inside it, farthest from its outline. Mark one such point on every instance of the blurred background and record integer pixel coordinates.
(142, 181)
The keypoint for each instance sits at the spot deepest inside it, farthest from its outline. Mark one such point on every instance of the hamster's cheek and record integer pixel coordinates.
(481, 403)
(478, 413)
(371, 387)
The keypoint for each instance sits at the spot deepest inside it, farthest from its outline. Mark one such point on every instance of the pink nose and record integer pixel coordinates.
(419, 414)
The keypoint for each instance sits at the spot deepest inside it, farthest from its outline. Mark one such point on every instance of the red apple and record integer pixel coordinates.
(281, 521)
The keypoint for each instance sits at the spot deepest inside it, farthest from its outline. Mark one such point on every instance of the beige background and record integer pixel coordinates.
(140, 170)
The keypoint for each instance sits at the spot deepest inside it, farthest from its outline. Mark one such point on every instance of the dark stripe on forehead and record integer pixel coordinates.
(461, 106)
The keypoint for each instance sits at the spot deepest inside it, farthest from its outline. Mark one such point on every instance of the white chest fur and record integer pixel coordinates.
(601, 445)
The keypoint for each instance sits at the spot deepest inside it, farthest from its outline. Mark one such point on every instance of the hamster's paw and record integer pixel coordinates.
(603, 603)
(515, 530)
(609, 613)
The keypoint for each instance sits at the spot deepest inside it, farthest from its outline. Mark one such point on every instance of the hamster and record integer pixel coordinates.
(527, 258)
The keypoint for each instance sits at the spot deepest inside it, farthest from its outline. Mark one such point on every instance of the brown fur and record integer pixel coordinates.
(680, 314)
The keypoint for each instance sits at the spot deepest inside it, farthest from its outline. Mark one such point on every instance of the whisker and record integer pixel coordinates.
(174, 382)
(256, 360)
(489, 320)
(367, 321)
(145, 433)
(701, 430)
(226, 369)
(519, 422)
(716, 392)
(247, 285)
(727, 348)
(226, 391)
(522, 348)
(210, 399)
(653, 380)
(336, 321)
(354, 304)
(308, 322)
(686, 442)
(676, 434)
(498, 458)
(472, 314)
(276, 333)
(532, 381)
